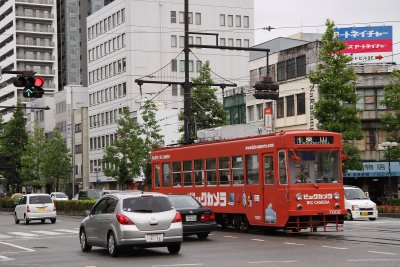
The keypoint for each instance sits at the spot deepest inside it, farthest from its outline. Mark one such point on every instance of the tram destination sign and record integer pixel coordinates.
(313, 140)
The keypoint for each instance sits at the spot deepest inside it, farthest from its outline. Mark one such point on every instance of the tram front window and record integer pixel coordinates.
(314, 167)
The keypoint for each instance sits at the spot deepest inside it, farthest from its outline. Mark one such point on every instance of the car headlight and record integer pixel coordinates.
(336, 196)
(354, 207)
(299, 197)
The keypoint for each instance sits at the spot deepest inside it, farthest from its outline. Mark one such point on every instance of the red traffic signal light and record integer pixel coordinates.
(39, 81)
(33, 86)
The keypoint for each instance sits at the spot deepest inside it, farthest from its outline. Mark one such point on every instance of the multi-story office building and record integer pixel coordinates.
(131, 39)
(28, 41)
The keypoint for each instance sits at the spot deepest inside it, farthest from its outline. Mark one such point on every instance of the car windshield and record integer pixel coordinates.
(148, 204)
(354, 193)
(39, 199)
(60, 195)
(184, 202)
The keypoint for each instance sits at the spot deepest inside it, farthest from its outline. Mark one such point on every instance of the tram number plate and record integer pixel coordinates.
(191, 218)
(364, 213)
(154, 238)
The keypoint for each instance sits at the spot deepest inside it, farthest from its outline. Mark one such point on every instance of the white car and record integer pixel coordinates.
(35, 207)
(59, 196)
(358, 204)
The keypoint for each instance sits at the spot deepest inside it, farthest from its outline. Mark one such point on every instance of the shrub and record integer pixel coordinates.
(7, 203)
(74, 207)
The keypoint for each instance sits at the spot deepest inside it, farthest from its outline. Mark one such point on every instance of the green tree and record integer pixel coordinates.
(124, 158)
(56, 166)
(207, 111)
(32, 159)
(151, 135)
(390, 121)
(14, 140)
(336, 110)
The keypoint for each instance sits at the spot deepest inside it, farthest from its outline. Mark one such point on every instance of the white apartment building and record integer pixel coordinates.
(128, 39)
(28, 41)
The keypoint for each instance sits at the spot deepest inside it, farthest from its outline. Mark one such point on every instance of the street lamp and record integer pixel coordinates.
(388, 146)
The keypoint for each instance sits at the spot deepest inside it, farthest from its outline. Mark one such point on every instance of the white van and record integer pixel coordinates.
(358, 204)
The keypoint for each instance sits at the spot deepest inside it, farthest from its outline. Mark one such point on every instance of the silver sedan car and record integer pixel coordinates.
(132, 218)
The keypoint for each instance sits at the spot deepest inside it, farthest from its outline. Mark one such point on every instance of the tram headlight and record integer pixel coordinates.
(336, 196)
(299, 197)
(299, 207)
(337, 205)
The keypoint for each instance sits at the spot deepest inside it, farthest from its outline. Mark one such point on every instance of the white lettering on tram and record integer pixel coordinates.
(252, 147)
(166, 156)
(211, 199)
(318, 196)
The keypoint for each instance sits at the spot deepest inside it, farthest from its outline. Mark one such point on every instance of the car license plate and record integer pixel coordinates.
(154, 237)
(364, 213)
(191, 218)
(41, 209)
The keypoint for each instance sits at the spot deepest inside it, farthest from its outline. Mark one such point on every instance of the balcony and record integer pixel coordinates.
(36, 43)
(35, 29)
(40, 2)
(34, 15)
(36, 57)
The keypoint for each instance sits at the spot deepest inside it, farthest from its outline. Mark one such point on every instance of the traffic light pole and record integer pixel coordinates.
(25, 73)
(42, 108)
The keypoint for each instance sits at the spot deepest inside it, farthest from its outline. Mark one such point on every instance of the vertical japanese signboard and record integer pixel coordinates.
(268, 119)
(372, 44)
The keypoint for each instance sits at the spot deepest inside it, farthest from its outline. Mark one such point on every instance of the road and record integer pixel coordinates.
(362, 243)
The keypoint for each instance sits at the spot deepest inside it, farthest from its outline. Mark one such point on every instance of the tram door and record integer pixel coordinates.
(269, 195)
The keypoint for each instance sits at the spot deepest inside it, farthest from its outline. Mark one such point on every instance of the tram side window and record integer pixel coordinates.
(211, 171)
(157, 175)
(237, 170)
(282, 168)
(166, 174)
(224, 171)
(252, 169)
(268, 170)
(176, 174)
(187, 173)
(199, 172)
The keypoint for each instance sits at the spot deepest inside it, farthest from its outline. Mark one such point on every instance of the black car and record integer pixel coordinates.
(196, 219)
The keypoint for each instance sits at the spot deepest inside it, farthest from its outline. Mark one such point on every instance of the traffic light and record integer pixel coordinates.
(32, 86)
(266, 89)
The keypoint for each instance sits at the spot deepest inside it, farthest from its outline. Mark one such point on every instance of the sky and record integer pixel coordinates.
(292, 16)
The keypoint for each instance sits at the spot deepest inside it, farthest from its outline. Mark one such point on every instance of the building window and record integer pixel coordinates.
(191, 66)
(181, 17)
(290, 105)
(78, 149)
(230, 20)
(174, 65)
(198, 65)
(174, 41)
(301, 65)
(181, 41)
(260, 112)
(246, 43)
(78, 127)
(291, 68)
(198, 40)
(301, 103)
(230, 42)
(281, 71)
(246, 22)
(173, 16)
(280, 108)
(222, 41)
(238, 42)
(181, 65)
(221, 20)
(198, 18)
(174, 89)
(238, 21)
(250, 113)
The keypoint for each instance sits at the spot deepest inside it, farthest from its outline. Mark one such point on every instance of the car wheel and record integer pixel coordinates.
(112, 245)
(42, 220)
(174, 249)
(202, 236)
(15, 218)
(83, 240)
(53, 220)
(372, 219)
(27, 221)
(349, 216)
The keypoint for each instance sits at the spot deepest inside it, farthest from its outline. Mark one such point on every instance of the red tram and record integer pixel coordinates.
(289, 180)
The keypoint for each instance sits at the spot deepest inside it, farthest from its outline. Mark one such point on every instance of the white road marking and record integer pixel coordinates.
(4, 236)
(386, 253)
(15, 246)
(4, 258)
(183, 264)
(46, 233)
(229, 236)
(333, 247)
(23, 234)
(296, 244)
(260, 262)
(261, 240)
(67, 231)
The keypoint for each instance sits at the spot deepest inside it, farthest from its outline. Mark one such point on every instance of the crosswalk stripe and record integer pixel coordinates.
(46, 232)
(23, 234)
